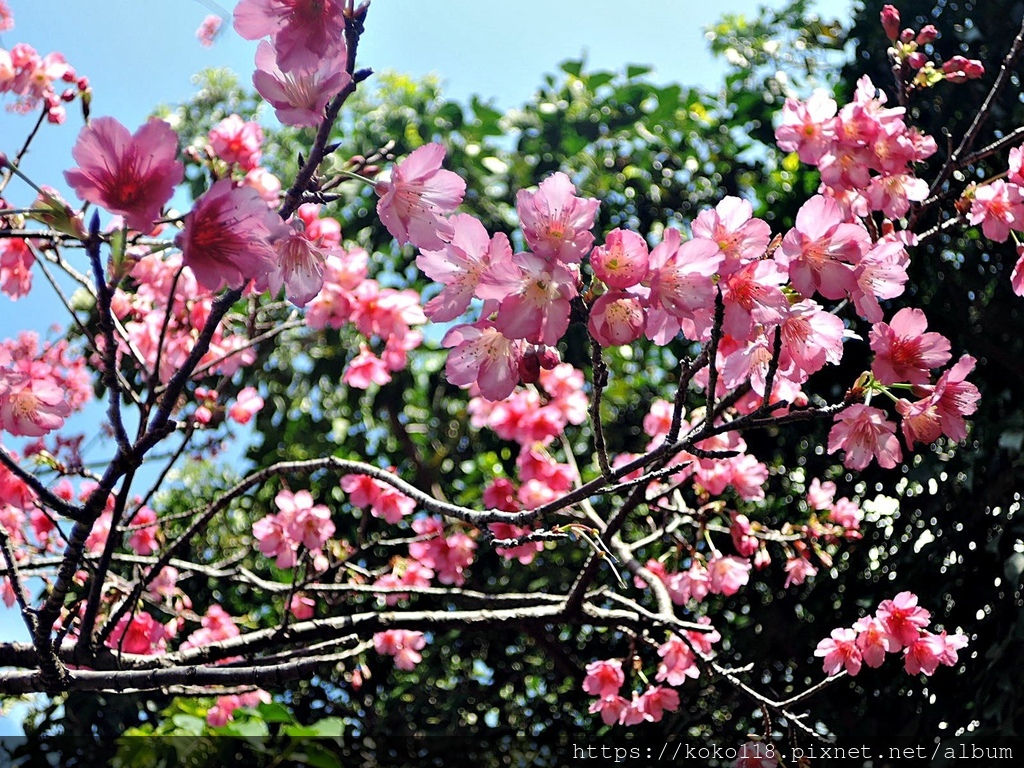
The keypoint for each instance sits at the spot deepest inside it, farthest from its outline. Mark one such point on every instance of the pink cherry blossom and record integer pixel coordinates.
(482, 355)
(403, 645)
(840, 651)
(904, 352)
(616, 318)
(237, 142)
(414, 201)
(903, 619)
(460, 264)
(823, 249)
(302, 607)
(873, 640)
(138, 633)
(132, 175)
(304, 31)
(655, 701)
(31, 405)
(680, 278)
(246, 405)
(945, 405)
(727, 574)
(923, 654)
(865, 434)
(807, 127)
(208, 30)
(555, 222)
(604, 678)
(731, 226)
(227, 237)
(217, 624)
(612, 709)
(798, 569)
(16, 260)
(622, 261)
(534, 295)
(6, 17)
(143, 539)
(305, 522)
(678, 662)
(300, 265)
(299, 97)
(998, 207)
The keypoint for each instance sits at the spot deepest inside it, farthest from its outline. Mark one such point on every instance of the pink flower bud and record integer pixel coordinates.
(891, 21)
(927, 34)
(622, 261)
(529, 367)
(907, 35)
(917, 60)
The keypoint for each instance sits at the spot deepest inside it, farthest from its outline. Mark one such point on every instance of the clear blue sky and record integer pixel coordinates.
(139, 53)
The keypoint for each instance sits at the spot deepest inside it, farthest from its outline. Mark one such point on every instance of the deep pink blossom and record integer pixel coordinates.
(840, 651)
(246, 405)
(16, 260)
(903, 619)
(304, 31)
(403, 645)
(604, 678)
(904, 351)
(616, 318)
(414, 201)
(678, 662)
(299, 97)
(534, 294)
(923, 654)
(622, 261)
(237, 142)
(227, 237)
(132, 175)
(680, 278)
(138, 633)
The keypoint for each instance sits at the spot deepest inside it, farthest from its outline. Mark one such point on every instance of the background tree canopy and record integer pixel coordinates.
(653, 154)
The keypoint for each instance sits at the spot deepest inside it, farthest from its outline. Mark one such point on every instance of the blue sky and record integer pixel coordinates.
(139, 53)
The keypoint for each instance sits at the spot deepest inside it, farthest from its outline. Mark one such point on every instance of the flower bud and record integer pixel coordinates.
(907, 35)
(622, 261)
(917, 60)
(927, 34)
(891, 22)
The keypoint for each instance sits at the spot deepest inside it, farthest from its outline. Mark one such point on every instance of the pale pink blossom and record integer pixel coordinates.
(414, 201)
(731, 226)
(680, 279)
(31, 406)
(482, 355)
(798, 569)
(865, 434)
(678, 662)
(143, 538)
(655, 701)
(460, 264)
(555, 222)
(16, 260)
(727, 574)
(402, 644)
(131, 175)
(299, 97)
(823, 249)
(874, 640)
(806, 127)
(998, 207)
(304, 31)
(208, 30)
(534, 294)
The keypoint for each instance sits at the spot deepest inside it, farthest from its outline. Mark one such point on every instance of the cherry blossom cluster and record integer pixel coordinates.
(34, 79)
(39, 387)
(912, 64)
(898, 625)
(299, 525)
(305, 62)
(16, 260)
(864, 151)
(678, 664)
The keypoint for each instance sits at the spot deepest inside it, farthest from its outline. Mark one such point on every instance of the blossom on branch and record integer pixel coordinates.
(132, 175)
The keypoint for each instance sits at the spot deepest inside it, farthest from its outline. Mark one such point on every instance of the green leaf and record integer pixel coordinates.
(188, 725)
(637, 70)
